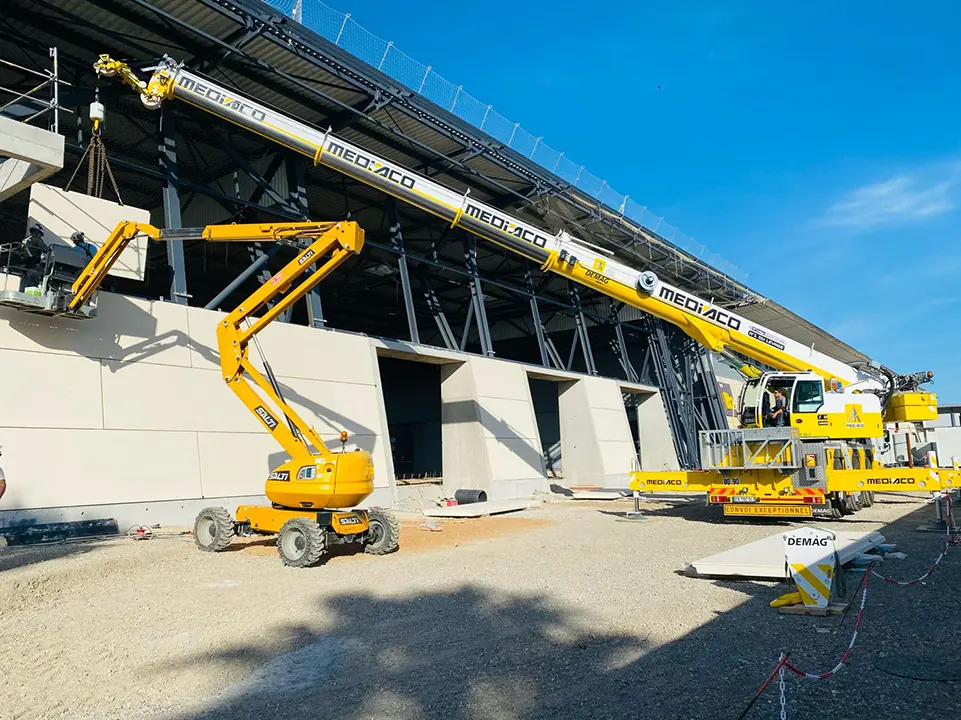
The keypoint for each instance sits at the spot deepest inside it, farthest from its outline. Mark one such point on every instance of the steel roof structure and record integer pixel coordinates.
(248, 44)
(417, 278)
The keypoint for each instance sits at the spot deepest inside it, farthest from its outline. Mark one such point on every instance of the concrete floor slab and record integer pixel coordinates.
(491, 507)
(764, 559)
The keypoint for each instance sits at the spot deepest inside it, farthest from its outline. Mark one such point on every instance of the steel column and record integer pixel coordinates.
(581, 324)
(397, 241)
(679, 417)
(477, 296)
(435, 308)
(297, 199)
(167, 157)
(536, 317)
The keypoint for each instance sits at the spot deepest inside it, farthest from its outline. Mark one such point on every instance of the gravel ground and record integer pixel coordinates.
(575, 616)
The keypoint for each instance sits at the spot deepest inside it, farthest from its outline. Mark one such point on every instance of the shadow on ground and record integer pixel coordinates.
(474, 654)
(23, 555)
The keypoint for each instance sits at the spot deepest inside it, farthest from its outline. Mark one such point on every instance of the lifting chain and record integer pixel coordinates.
(98, 166)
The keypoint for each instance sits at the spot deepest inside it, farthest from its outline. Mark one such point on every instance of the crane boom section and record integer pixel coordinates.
(333, 243)
(709, 324)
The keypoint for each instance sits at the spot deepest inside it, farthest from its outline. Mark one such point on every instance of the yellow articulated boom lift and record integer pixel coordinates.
(826, 461)
(312, 492)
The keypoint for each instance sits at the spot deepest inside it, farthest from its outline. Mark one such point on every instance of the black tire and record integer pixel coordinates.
(301, 543)
(867, 499)
(383, 535)
(213, 529)
(852, 502)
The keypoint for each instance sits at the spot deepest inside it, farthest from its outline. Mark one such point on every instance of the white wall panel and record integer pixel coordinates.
(53, 468)
(47, 390)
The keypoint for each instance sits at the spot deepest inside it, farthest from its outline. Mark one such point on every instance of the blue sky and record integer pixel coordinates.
(817, 145)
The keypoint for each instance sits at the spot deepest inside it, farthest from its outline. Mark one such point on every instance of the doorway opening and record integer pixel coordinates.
(413, 405)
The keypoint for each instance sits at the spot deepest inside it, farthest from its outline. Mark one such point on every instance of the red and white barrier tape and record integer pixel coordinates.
(948, 542)
(847, 653)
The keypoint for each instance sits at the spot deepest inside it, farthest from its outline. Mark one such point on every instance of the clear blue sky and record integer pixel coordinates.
(817, 145)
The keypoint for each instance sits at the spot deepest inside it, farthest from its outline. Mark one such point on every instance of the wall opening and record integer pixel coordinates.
(413, 405)
(544, 394)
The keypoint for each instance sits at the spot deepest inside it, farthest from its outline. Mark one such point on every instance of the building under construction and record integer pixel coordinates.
(445, 357)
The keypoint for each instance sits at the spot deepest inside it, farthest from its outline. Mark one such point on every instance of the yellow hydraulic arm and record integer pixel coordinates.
(333, 243)
(96, 270)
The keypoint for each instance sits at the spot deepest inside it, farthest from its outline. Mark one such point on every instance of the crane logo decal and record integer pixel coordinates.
(699, 307)
(366, 162)
(269, 420)
(220, 98)
(505, 224)
(854, 416)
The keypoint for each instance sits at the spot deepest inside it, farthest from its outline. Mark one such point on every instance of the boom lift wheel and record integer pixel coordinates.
(383, 533)
(301, 542)
(213, 529)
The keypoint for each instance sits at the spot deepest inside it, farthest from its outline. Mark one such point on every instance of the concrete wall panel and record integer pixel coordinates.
(157, 397)
(490, 437)
(45, 390)
(52, 468)
(654, 431)
(125, 329)
(61, 213)
(235, 464)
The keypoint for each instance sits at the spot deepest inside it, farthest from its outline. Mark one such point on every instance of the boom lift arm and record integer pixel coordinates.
(92, 276)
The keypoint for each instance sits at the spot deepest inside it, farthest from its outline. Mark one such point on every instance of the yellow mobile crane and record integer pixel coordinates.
(313, 490)
(825, 462)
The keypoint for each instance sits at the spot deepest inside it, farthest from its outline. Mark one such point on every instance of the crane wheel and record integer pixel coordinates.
(213, 529)
(383, 535)
(301, 542)
(867, 499)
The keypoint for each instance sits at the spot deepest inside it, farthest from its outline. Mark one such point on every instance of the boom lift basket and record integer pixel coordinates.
(750, 449)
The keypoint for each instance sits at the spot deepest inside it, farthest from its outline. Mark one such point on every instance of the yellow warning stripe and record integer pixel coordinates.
(814, 581)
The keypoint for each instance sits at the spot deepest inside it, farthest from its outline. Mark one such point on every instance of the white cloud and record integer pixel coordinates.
(905, 198)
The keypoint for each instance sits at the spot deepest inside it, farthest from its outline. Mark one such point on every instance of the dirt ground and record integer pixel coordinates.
(559, 612)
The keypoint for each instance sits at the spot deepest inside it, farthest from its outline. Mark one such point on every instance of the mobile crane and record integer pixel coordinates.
(313, 490)
(825, 462)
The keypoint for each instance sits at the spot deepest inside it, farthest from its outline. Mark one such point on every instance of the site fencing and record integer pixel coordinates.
(342, 30)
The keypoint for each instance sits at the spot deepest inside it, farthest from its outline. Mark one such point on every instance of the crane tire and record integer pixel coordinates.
(867, 499)
(213, 529)
(301, 542)
(383, 535)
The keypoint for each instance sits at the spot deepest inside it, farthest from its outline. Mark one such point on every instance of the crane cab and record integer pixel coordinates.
(815, 411)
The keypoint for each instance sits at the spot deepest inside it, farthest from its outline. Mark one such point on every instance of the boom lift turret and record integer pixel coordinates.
(826, 460)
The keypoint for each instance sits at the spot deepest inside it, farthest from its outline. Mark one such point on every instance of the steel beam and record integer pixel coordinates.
(167, 157)
(397, 242)
(259, 262)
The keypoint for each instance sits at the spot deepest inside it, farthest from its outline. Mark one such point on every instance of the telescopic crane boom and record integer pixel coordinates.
(838, 407)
